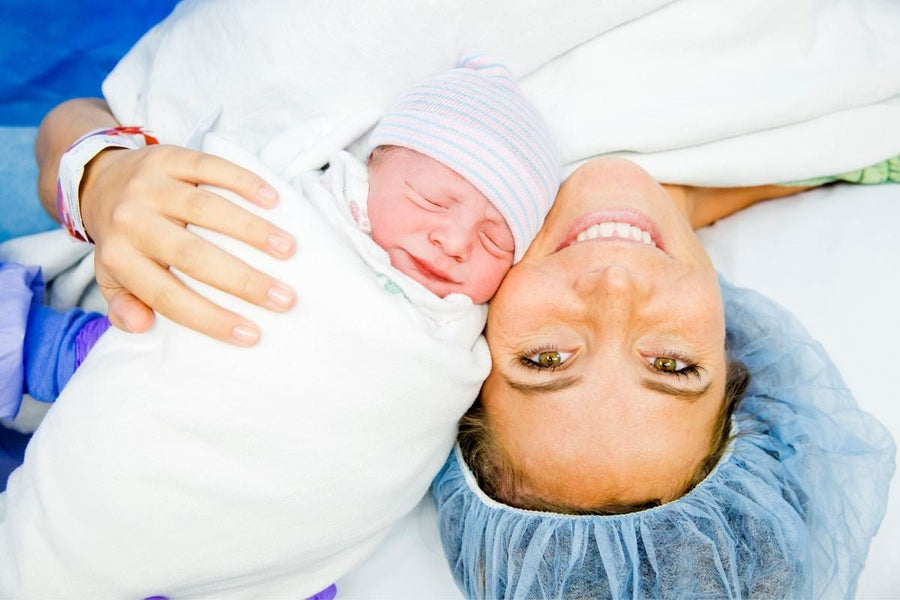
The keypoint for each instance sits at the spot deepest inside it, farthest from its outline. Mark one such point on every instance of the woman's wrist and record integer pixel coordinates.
(58, 131)
(95, 166)
(76, 161)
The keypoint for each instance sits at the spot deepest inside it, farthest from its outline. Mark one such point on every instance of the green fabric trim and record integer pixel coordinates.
(887, 171)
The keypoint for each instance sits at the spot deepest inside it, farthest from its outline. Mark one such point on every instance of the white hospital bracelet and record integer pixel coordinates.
(71, 170)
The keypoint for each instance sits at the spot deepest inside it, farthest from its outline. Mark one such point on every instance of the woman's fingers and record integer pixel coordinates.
(200, 168)
(209, 210)
(136, 204)
(206, 262)
(155, 286)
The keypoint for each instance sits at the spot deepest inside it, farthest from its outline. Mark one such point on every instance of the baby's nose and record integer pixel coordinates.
(454, 240)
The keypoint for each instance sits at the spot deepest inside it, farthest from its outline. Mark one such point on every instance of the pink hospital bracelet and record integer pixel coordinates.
(71, 170)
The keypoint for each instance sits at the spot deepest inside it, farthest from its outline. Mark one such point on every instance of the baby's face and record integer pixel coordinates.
(437, 227)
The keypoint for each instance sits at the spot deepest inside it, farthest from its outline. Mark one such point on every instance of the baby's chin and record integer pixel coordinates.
(442, 289)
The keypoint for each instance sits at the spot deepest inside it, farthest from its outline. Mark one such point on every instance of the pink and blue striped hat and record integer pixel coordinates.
(475, 120)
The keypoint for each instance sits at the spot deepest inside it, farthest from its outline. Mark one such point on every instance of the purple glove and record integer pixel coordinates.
(328, 593)
(87, 336)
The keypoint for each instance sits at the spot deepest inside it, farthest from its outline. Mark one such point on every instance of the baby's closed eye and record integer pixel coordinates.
(496, 240)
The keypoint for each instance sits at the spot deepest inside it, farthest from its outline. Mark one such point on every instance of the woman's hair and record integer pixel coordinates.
(498, 478)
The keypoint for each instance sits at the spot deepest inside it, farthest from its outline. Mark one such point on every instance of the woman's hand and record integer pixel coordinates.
(135, 205)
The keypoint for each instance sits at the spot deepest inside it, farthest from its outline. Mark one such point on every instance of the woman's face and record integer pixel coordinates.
(608, 353)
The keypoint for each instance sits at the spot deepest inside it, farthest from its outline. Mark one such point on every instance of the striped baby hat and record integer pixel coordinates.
(475, 120)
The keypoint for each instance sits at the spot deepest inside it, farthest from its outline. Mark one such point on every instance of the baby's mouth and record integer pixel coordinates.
(431, 271)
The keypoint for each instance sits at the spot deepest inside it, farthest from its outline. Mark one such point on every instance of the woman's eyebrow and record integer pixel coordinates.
(682, 393)
(531, 389)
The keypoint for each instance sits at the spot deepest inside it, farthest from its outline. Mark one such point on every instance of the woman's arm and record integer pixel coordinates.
(135, 206)
(706, 205)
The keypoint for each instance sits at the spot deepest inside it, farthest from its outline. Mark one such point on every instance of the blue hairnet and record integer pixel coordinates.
(787, 513)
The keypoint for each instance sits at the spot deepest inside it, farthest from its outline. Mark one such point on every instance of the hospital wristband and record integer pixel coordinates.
(73, 162)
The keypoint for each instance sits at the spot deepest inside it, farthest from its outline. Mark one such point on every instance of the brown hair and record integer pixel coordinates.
(378, 154)
(497, 477)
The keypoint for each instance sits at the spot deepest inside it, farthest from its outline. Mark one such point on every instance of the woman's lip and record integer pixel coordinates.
(631, 217)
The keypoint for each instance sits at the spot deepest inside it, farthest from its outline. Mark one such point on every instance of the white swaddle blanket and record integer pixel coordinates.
(176, 465)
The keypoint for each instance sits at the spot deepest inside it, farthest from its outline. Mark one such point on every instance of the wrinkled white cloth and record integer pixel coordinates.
(176, 465)
(696, 91)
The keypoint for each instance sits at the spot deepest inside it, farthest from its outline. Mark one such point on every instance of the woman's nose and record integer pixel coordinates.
(610, 288)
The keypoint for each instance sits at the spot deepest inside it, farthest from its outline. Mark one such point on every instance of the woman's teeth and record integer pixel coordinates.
(612, 229)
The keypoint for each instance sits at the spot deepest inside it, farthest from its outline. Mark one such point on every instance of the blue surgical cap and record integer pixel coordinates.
(787, 513)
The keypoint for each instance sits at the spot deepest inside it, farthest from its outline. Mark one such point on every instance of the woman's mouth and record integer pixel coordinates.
(616, 229)
(615, 226)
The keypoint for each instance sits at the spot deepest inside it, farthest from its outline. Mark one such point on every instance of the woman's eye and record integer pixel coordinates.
(546, 359)
(668, 364)
(673, 365)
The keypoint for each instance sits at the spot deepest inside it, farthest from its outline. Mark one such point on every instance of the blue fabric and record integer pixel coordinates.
(21, 212)
(12, 452)
(37, 344)
(788, 513)
(21, 291)
(53, 50)
(50, 350)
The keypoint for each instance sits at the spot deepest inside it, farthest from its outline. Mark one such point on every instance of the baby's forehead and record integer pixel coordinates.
(435, 179)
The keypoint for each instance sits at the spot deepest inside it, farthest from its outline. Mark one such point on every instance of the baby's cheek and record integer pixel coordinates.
(488, 281)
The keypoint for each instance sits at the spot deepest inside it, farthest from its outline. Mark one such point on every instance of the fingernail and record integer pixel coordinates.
(267, 194)
(281, 296)
(280, 243)
(245, 334)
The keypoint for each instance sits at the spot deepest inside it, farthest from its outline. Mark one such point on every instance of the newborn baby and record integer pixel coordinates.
(175, 465)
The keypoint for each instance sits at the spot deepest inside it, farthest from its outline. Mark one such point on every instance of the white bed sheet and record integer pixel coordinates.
(832, 256)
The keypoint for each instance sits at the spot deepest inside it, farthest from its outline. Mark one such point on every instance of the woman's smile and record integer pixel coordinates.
(614, 225)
